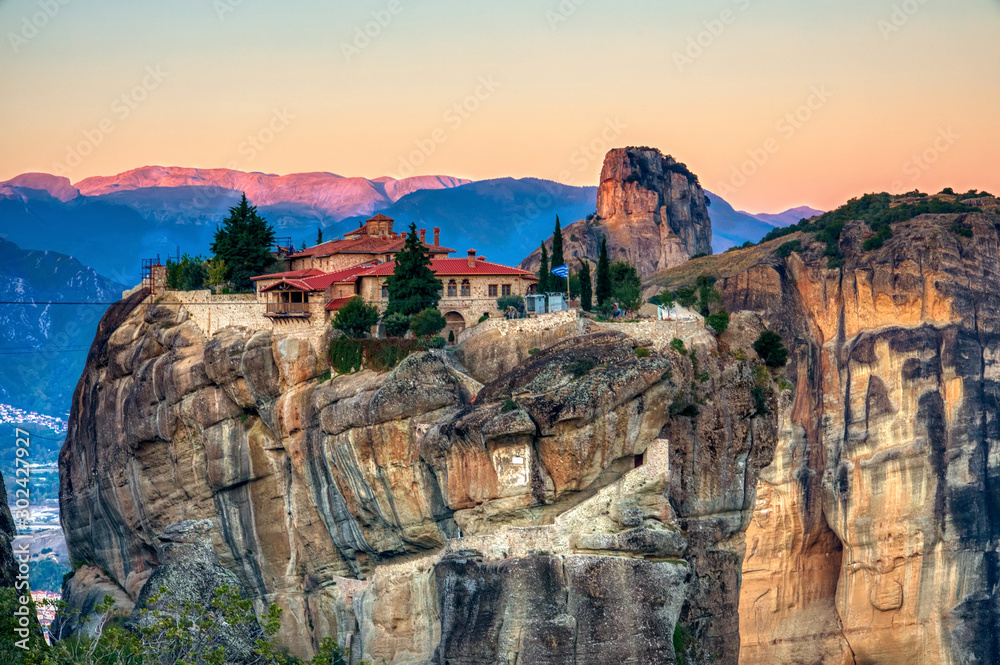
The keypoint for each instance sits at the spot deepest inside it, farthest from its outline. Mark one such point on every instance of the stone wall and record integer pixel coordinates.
(661, 333)
(213, 312)
(520, 326)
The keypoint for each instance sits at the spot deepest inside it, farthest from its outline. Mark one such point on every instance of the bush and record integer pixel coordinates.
(678, 346)
(396, 324)
(505, 302)
(436, 342)
(381, 355)
(508, 405)
(532, 352)
(960, 230)
(642, 352)
(451, 336)
(760, 396)
(786, 250)
(356, 318)
(428, 322)
(771, 349)
(581, 367)
(484, 317)
(718, 321)
(686, 296)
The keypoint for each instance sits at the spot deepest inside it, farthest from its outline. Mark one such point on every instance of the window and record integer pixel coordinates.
(452, 289)
(466, 288)
(385, 292)
(493, 291)
(506, 289)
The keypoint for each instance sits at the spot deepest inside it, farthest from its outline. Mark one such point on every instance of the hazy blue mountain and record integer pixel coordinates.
(43, 346)
(790, 216)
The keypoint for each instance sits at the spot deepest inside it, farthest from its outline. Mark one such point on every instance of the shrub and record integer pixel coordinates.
(517, 302)
(428, 322)
(642, 352)
(786, 250)
(699, 255)
(451, 336)
(678, 346)
(356, 318)
(396, 324)
(581, 367)
(532, 352)
(682, 408)
(485, 316)
(771, 349)
(686, 296)
(437, 342)
(718, 321)
(508, 405)
(381, 355)
(760, 396)
(960, 230)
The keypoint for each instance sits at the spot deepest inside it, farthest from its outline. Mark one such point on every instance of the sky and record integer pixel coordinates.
(773, 103)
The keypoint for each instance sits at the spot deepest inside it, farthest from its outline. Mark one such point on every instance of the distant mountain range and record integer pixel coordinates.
(111, 223)
(43, 346)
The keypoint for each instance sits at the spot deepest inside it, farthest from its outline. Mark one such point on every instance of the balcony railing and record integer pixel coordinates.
(287, 309)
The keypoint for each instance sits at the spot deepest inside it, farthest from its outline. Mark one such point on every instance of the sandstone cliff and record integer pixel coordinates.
(572, 505)
(874, 537)
(651, 209)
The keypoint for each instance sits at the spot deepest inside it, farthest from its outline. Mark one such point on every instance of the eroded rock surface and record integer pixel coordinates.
(874, 538)
(426, 515)
(650, 208)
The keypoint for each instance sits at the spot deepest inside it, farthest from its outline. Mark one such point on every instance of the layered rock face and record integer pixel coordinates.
(874, 537)
(650, 208)
(8, 564)
(574, 505)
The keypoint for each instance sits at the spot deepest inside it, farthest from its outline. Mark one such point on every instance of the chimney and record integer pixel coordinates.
(437, 236)
(472, 258)
(403, 235)
(423, 235)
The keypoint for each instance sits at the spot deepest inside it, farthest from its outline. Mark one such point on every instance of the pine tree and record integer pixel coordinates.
(544, 276)
(244, 242)
(319, 235)
(412, 285)
(557, 246)
(603, 291)
(586, 294)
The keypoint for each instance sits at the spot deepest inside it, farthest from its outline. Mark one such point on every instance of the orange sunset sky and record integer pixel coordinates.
(774, 103)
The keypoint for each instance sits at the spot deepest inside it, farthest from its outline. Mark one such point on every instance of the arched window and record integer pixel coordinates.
(466, 288)
(452, 289)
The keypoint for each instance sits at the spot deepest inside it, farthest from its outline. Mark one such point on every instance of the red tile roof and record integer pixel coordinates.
(290, 274)
(364, 244)
(448, 267)
(321, 280)
(337, 303)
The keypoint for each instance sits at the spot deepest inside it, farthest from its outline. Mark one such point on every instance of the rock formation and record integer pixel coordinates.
(874, 537)
(8, 564)
(650, 208)
(584, 503)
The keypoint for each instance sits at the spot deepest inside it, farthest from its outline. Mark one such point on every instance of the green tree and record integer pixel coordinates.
(544, 276)
(586, 293)
(319, 235)
(686, 296)
(626, 285)
(244, 242)
(188, 274)
(396, 324)
(557, 246)
(355, 318)
(412, 285)
(216, 272)
(428, 322)
(718, 321)
(771, 349)
(603, 291)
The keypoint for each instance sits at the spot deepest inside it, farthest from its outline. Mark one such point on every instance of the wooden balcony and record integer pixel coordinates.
(287, 309)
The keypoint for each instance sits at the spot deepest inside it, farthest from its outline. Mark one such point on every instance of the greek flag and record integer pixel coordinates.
(561, 271)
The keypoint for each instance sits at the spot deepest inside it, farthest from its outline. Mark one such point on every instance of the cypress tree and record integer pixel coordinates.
(412, 285)
(557, 246)
(319, 235)
(586, 297)
(544, 276)
(244, 243)
(603, 274)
